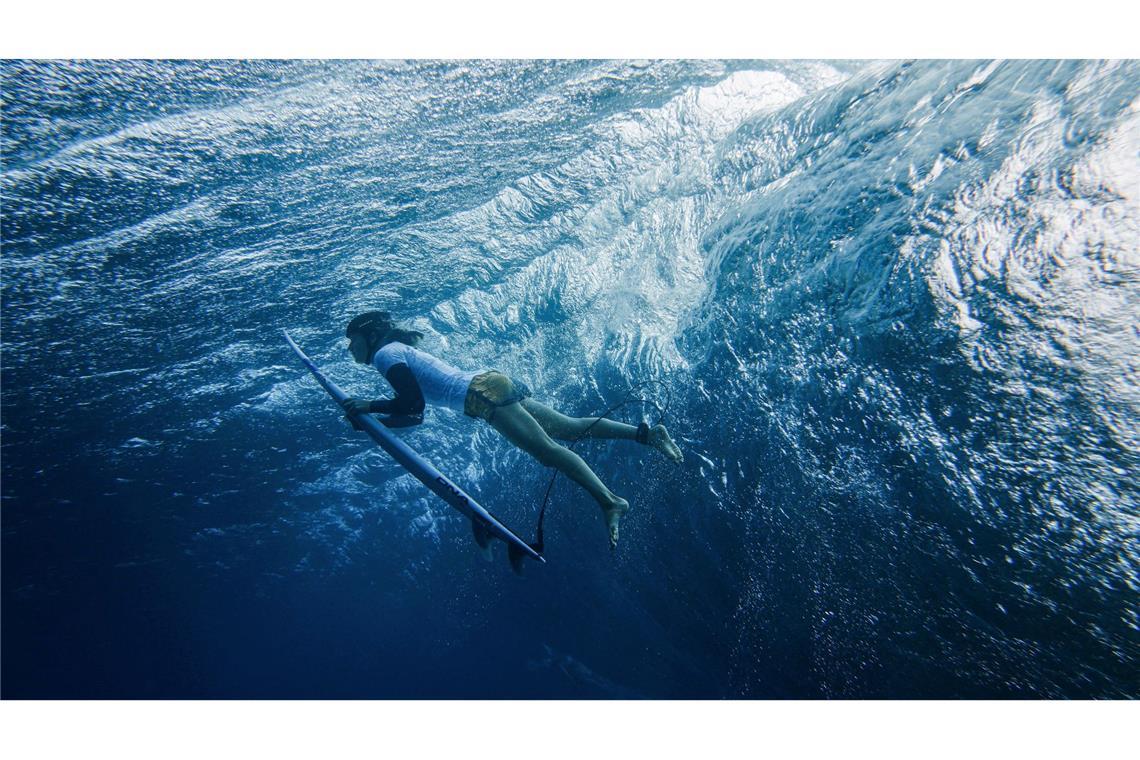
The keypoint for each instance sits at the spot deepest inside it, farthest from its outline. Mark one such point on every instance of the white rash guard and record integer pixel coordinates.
(440, 383)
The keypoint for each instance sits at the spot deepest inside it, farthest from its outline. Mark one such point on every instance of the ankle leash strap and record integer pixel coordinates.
(643, 432)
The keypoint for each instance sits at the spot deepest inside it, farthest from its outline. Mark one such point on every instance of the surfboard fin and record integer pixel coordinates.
(483, 538)
(516, 555)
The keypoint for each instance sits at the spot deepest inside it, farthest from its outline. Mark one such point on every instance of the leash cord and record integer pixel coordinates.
(539, 541)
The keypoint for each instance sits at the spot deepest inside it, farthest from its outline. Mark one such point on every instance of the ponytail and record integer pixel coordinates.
(407, 337)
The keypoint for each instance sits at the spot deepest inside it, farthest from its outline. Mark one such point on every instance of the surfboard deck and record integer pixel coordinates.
(483, 523)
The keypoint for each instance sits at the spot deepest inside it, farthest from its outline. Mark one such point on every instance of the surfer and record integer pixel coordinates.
(419, 378)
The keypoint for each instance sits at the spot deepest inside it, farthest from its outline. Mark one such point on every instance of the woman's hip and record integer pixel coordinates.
(489, 391)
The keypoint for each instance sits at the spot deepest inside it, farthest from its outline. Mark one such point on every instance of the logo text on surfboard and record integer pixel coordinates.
(444, 482)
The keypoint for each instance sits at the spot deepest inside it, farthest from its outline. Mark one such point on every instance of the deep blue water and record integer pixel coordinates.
(896, 306)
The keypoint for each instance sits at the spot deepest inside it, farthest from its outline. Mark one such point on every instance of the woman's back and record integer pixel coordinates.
(441, 383)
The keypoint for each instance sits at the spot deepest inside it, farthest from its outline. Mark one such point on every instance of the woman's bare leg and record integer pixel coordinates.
(517, 425)
(558, 425)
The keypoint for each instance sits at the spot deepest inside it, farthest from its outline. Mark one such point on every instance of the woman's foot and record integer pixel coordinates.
(613, 514)
(660, 440)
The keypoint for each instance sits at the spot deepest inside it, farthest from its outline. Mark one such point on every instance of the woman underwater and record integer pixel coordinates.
(419, 378)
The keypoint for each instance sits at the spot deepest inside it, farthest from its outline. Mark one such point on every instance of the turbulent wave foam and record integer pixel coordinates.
(936, 329)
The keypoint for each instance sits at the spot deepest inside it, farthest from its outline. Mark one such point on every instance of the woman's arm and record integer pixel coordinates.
(405, 409)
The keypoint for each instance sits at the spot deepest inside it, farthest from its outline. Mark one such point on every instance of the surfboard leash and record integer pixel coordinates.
(629, 398)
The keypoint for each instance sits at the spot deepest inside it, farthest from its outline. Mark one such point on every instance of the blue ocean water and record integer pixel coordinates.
(895, 306)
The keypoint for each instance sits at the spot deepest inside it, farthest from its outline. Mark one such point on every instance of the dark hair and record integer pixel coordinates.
(369, 323)
(379, 329)
(396, 334)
